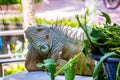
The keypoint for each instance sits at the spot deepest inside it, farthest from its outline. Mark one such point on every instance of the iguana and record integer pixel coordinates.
(57, 43)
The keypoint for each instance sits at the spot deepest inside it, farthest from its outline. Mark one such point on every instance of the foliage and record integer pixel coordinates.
(38, 1)
(9, 2)
(17, 47)
(107, 17)
(14, 69)
(101, 40)
(51, 65)
(104, 40)
(16, 19)
(118, 72)
(65, 22)
(70, 71)
(68, 68)
(12, 19)
(97, 68)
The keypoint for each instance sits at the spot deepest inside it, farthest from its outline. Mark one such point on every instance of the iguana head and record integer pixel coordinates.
(39, 38)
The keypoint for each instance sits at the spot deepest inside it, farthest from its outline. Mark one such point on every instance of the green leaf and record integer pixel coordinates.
(88, 66)
(108, 20)
(80, 24)
(112, 42)
(40, 65)
(86, 47)
(89, 29)
(98, 66)
(49, 60)
(118, 72)
(51, 65)
(70, 71)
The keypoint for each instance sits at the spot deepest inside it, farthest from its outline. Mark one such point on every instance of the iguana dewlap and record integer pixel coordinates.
(52, 42)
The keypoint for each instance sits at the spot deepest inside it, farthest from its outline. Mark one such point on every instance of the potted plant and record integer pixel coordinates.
(103, 45)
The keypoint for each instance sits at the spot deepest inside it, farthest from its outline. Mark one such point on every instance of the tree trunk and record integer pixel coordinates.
(28, 13)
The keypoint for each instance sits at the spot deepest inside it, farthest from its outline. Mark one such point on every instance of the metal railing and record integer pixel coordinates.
(11, 32)
(9, 60)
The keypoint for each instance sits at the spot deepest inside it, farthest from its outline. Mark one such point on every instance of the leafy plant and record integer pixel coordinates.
(70, 71)
(68, 68)
(65, 22)
(101, 40)
(9, 2)
(17, 47)
(15, 68)
(15, 19)
(118, 72)
(5, 20)
(51, 65)
(99, 65)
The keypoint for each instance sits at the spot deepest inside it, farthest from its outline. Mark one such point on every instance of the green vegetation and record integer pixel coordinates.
(38, 1)
(9, 2)
(65, 22)
(13, 19)
(118, 72)
(15, 68)
(51, 65)
(101, 40)
(68, 68)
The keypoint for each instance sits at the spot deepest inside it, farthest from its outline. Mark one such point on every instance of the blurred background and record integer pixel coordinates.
(14, 12)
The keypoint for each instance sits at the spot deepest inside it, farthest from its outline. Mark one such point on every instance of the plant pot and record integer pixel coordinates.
(109, 65)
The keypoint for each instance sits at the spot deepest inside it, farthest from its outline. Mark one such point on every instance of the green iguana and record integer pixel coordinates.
(57, 43)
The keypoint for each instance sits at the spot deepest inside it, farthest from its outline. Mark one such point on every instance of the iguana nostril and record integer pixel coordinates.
(44, 48)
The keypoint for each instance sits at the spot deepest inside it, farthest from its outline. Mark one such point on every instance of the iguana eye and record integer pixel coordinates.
(44, 48)
(39, 29)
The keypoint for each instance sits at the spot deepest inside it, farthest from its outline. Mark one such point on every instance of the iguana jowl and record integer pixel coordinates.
(53, 42)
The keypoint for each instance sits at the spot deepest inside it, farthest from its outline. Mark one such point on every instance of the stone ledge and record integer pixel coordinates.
(39, 75)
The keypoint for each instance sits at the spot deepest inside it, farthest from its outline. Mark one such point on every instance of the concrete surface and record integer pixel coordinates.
(39, 75)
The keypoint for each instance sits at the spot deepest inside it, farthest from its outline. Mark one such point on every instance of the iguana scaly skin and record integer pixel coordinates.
(52, 42)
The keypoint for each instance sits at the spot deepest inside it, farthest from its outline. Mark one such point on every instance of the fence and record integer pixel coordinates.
(9, 60)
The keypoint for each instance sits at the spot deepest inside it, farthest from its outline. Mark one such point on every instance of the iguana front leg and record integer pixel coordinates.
(31, 63)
